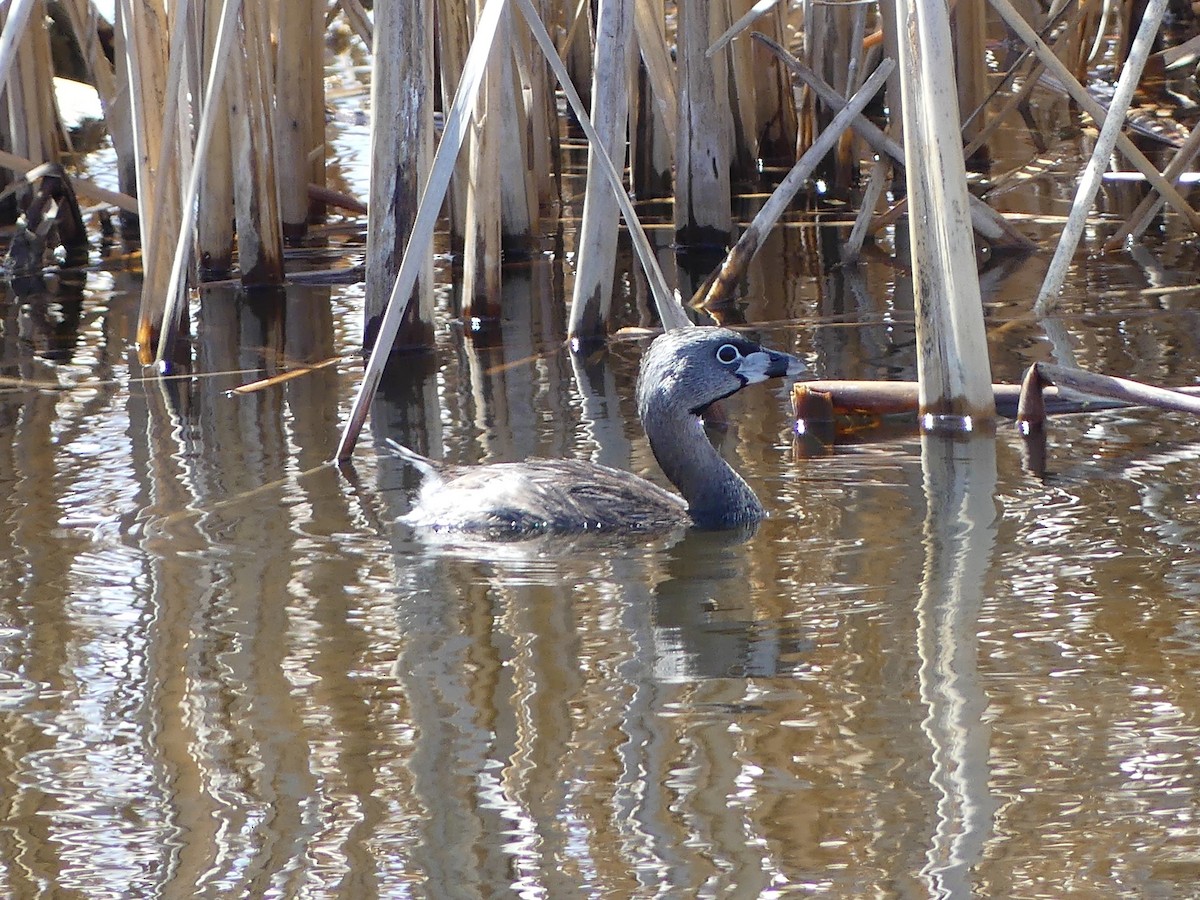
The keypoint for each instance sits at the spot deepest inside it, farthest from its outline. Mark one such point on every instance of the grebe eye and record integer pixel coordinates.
(727, 353)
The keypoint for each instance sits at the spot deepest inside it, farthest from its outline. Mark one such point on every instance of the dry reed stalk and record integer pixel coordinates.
(703, 212)
(114, 101)
(518, 186)
(852, 249)
(420, 243)
(16, 16)
(656, 109)
(482, 254)
(829, 29)
(541, 111)
(952, 360)
(145, 32)
(1152, 203)
(318, 178)
(1089, 183)
(969, 24)
(988, 223)
(25, 73)
(454, 37)
(296, 134)
(776, 106)
(214, 110)
(577, 51)
(670, 311)
(591, 300)
(733, 269)
(402, 92)
(256, 198)
(215, 215)
(743, 79)
(359, 21)
(1089, 105)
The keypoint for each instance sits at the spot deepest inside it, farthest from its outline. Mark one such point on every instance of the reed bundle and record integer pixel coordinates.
(222, 137)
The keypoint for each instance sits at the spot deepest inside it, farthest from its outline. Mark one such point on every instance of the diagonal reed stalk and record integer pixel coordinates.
(10, 37)
(1089, 183)
(736, 261)
(420, 241)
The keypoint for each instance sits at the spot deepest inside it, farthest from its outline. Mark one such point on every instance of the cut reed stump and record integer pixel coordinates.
(655, 109)
(453, 38)
(402, 98)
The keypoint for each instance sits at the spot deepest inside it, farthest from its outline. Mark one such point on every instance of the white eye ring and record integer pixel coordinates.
(727, 353)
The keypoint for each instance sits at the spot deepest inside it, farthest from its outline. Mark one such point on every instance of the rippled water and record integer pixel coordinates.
(226, 671)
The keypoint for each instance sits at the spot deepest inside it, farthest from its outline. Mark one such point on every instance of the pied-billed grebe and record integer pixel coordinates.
(683, 372)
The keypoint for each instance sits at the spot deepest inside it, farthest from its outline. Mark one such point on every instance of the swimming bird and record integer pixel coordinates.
(683, 372)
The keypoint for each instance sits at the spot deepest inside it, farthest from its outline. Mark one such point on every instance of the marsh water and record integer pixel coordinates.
(936, 669)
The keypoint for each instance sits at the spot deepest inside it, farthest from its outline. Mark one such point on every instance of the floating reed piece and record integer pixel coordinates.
(402, 97)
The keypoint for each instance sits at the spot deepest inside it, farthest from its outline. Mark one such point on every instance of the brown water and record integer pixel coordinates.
(226, 671)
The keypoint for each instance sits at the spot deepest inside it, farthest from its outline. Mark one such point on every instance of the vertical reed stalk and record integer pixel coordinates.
(591, 301)
(828, 30)
(1089, 105)
(482, 254)
(518, 187)
(256, 199)
(776, 107)
(401, 154)
(296, 133)
(160, 211)
(952, 361)
(652, 139)
(738, 57)
(214, 224)
(454, 37)
(970, 41)
(542, 114)
(703, 212)
(317, 209)
(577, 54)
